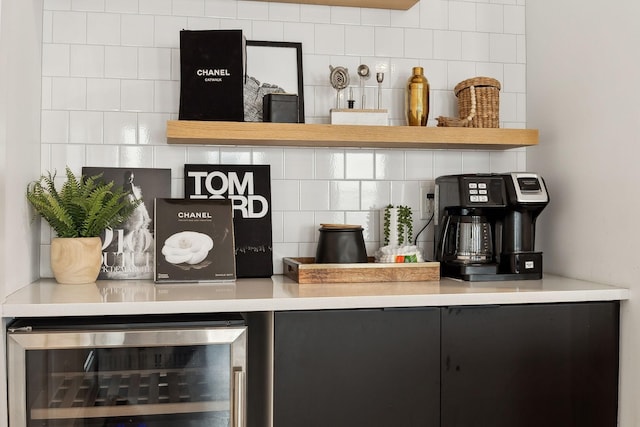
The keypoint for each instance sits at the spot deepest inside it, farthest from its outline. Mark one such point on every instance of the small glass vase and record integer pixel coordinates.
(417, 98)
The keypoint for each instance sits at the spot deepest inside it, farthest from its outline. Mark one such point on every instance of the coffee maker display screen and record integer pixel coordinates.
(529, 184)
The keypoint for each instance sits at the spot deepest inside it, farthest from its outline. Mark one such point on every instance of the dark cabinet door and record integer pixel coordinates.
(357, 368)
(530, 365)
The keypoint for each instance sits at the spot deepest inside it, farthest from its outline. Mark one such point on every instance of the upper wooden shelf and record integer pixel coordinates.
(322, 135)
(378, 4)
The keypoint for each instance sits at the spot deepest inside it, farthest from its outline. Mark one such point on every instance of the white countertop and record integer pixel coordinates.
(45, 297)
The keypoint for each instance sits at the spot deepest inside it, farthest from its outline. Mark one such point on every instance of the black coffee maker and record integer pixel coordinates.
(485, 225)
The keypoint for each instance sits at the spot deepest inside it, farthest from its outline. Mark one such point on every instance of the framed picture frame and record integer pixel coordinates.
(278, 63)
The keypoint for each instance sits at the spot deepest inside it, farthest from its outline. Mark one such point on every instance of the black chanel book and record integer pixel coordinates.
(212, 75)
(194, 241)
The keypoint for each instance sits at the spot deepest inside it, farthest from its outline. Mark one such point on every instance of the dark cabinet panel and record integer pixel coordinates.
(530, 365)
(357, 368)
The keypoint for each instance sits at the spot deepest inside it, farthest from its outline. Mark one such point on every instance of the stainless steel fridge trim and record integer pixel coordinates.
(239, 398)
(51, 340)
(18, 343)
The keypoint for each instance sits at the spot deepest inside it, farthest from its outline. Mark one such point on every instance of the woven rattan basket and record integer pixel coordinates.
(478, 104)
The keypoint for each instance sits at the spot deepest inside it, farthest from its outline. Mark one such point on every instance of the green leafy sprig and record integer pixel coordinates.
(82, 207)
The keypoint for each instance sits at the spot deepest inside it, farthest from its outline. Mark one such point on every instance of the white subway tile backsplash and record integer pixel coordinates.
(389, 164)
(475, 47)
(345, 15)
(151, 128)
(137, 95)
(419, 165)
(447, 45)
(235, 156)
(329, 164)
(434, 14)
(121, 62)
(359, 164)
(54, 127)
(221, 8)
(121, 6)
(314, 195)
(85, 127)
(418, 43)
(298, 163)
(388, 40)
(359, 40)
(69, 27)
(315, 14)
(188, 8)
(329, 39)
(376, 17)
(67, 155)
(57, 4)
(137, 30)
(374, 195)
(166, 96)
(514, 19)
(503, 48)
(68, 93)
(120, 128)
(447, 163)
(136, 156)
(284, 12)
(154, 63)
(462, 16)
(86, 61)
(490, 18)
(111, 80)
(103, 28)
(155, 7)
(476, 162)
(103, 94)
(203, 155)
(344, 195)
(299, 227)
(171, 157)
(254, 10)
(55, 60)
(166, 31)
(515, 78)
(103, 155)
(88, 5)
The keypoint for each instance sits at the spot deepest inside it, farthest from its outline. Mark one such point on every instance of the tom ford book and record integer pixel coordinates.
(194, 241)
(248, 187)
(127, 251)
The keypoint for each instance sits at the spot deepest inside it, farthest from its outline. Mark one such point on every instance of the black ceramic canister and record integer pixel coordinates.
(340, 243)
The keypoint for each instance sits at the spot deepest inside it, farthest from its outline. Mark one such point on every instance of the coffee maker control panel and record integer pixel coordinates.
(482, 191)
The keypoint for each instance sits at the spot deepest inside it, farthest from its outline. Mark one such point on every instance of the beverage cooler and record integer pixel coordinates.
(149, 371)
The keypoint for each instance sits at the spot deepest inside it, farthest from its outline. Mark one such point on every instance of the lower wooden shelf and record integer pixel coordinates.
(325, 135)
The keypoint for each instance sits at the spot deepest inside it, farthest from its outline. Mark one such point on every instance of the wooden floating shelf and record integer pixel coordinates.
(324, 135)
(378, 4)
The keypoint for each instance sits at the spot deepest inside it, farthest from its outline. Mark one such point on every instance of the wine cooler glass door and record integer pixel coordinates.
(131, 377)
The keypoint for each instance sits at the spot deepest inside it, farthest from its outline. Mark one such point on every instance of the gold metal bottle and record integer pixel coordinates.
(417, 98)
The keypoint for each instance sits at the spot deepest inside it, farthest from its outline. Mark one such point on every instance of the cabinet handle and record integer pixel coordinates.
(238, 397)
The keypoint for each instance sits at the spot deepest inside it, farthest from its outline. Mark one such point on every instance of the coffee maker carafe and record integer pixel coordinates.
(485, 225)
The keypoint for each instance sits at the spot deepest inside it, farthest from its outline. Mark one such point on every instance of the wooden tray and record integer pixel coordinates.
(303, 270)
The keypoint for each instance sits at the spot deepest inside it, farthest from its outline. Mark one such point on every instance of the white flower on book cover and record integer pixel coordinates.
(187, 247)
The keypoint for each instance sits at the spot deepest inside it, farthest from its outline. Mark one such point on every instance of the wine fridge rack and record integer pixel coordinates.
(127, 393)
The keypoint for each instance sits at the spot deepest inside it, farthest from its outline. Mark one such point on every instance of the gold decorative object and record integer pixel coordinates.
(417, 98)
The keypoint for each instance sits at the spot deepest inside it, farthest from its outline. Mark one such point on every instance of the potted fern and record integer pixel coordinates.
(78, 212)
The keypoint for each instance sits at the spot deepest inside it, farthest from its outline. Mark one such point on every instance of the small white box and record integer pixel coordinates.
(359, 117)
